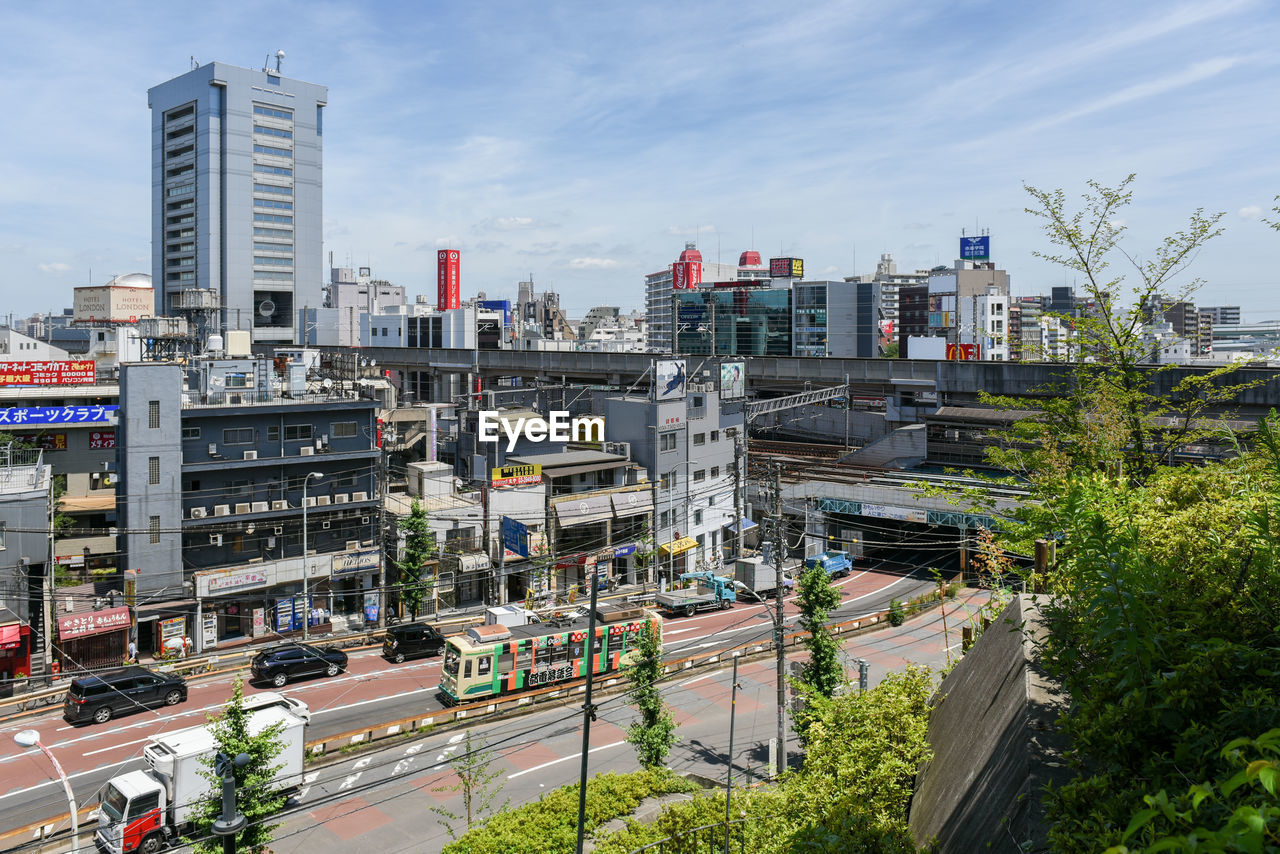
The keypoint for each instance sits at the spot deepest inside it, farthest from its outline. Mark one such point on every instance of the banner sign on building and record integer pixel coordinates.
(962, 352)
(516, 475)
(81, 372)
(93, 623)
(351, 563)
(888, 511)
(975, 248)
(371, 607)
(515, 536)
(686, 274)
(669, 379)
(44, 441)
(102, 439)
(733, 380)
(786, 268)
(448, 285)
(57, 414)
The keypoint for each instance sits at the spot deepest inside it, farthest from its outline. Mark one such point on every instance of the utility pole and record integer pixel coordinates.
(492, 598)
(383, 490)
(728, 782)
(737, 496)
(588, 710)
(779, 542)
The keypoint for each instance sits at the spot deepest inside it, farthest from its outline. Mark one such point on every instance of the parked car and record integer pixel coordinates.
(270, 699)
(101, 697)
(411, 640)
(279, 664)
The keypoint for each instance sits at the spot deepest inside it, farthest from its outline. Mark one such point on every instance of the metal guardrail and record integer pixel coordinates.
(720, 838)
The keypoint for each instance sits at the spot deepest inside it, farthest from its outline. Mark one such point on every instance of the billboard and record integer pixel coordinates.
(786, 268)
(733, 380)
(448, 281)
(686, 274)
(113, 304)
(962, 352)
(35, 415)
(515, 536)
(516, 475)
(669, 379)
(80, 372)
(975, 248)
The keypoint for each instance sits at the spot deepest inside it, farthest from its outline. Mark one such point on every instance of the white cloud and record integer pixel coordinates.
(1250, 212)
(449, 242)
(593, 263)
(506, 223)
(55, 267)
(831, 269)
(683, 230)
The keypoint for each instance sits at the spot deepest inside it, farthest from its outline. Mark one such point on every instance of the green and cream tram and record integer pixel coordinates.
(495, 660)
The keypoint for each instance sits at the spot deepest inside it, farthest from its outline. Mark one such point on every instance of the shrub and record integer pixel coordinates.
(896, 614)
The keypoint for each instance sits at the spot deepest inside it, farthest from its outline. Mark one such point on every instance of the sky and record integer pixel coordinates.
(583, 143)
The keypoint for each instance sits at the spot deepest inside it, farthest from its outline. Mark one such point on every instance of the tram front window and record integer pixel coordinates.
(451, 658)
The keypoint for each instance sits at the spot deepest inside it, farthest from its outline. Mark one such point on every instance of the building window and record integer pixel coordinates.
(277, 218)
(266, 131)
(237, 436)
(268, 149)
(715, 472)
(273, 112)
(273, 433)
(155, 529)
(272, 170)
(699, 438)
(699, 475)
(153, 470)
(237, 381)
(715, 435)
(664, 519)
(272, 203)
(3, 531)
(697, 517)
(668, 481)
(273, 188)
(319, 119)
(343, 429)
(190, 433)
(298, 432)
(667, 442)
(153, 414)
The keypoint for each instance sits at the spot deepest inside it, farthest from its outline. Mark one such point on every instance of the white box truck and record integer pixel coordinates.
(145, 810)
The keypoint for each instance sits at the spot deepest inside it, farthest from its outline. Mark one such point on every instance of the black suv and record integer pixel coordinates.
(279, 664)
(410, 641)
(100, 697)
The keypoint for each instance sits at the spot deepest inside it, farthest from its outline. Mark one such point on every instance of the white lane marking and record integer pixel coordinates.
(310, 778)
(351, 780)
(362, 762)
(345, 706)
(454, 739)
(302, 793)
(413, 750)
(695, 679)
(402, 766)
(563, 759)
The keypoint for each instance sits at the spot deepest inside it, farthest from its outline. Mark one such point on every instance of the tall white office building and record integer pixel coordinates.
(236, 203)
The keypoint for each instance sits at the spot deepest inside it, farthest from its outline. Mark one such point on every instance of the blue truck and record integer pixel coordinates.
(837, 564)
(708, 591)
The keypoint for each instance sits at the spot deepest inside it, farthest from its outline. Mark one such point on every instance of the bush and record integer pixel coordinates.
(896, 614)
(550, 824)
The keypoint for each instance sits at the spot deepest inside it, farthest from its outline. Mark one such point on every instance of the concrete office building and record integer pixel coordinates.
(25, 514)
(661, 288)
(236, 210)
(1222, 315)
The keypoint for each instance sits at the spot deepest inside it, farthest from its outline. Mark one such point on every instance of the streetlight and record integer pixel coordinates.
(306, 599)
(231, 821)
(31, 738)
(671, 520)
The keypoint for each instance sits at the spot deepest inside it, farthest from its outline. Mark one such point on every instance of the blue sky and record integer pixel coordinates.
(584, 143)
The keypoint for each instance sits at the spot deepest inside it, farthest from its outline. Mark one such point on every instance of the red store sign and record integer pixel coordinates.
(47, 373)
(93, 623)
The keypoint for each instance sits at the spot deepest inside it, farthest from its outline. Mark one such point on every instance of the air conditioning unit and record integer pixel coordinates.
(279, 505)
(221, 510)
(307, 451)
(259, 507)
(359, 496)
(622, 449)
(250, 455)
(215, 539)
(353, 545)
(322, 500)
(341, 498)
(199, 512)
(325, 524)
(243, 507)
(235, 399)
(309, 501)
(213, 449)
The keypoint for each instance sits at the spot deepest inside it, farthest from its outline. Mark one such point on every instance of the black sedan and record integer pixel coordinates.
(279, 664)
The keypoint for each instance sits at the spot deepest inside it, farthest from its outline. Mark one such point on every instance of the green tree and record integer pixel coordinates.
(419, 547)
(256, 798)
(654, 734)
(476, 774)
(823, 673)
(891, 350)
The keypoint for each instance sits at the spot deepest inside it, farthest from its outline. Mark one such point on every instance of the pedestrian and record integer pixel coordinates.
(133, 651)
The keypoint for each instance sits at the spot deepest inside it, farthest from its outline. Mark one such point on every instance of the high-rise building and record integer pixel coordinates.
(1222, 315)
(689, 271)
(236, 210)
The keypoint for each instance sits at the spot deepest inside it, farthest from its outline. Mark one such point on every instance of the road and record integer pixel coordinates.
(371, 690)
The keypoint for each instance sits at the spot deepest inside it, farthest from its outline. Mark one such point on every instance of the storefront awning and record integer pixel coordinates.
(632, 503)
(678, 547)
(746, 524)
(473, 563)
(580, 511)
(10, 637)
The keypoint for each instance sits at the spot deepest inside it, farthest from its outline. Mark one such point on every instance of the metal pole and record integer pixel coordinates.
(306, 598)
(588, 712)
(671, 527)
(737, 497)
(728, 781)
(71, 797)
(779, 540)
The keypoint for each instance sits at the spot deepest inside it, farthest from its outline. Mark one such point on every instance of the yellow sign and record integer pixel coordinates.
(678, 547)
(516, 475)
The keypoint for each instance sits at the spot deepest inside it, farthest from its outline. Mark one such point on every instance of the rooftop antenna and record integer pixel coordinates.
(279, 59)
(194, 64)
